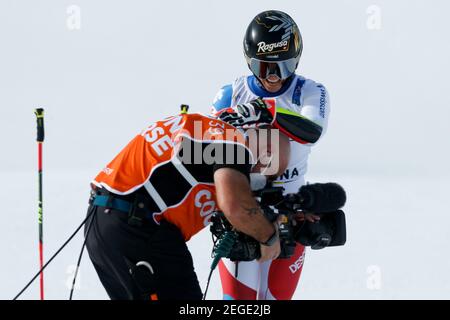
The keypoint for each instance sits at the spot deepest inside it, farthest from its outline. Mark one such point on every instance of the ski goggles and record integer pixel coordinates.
(263, 69)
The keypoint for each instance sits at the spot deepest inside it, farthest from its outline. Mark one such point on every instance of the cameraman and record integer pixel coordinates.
(152, 198)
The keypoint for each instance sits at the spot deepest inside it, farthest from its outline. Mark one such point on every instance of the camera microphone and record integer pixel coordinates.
(321, 197)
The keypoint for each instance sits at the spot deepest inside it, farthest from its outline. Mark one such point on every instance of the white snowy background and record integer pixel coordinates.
(103, 70)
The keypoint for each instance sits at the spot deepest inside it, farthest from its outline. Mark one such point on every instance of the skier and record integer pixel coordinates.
(161, 189)
(299, 107)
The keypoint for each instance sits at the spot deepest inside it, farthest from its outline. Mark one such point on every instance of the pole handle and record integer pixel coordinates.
(184, 108)
(39, 112)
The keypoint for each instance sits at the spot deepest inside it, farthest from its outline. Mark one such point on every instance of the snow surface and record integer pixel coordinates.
(129, 64)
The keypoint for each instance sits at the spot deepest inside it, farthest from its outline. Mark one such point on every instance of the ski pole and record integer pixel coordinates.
(81, 254)
(53, 257)
(40, 140)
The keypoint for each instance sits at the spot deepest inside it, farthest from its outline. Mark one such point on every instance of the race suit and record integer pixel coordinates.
(302, 110)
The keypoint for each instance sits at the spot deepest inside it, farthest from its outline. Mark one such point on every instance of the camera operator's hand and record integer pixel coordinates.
(273, 250)
(308, 216)
(270, 253)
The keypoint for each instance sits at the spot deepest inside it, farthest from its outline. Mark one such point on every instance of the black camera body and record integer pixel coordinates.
(329, 231)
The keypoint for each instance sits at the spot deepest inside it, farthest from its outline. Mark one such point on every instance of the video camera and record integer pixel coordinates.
(323, 199)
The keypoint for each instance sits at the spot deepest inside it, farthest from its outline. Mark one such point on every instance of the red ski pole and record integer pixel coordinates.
(40, 140)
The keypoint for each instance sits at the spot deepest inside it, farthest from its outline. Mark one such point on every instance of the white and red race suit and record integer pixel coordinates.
(302, 107)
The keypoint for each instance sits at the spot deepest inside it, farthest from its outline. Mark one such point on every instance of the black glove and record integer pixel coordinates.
(255, 111)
